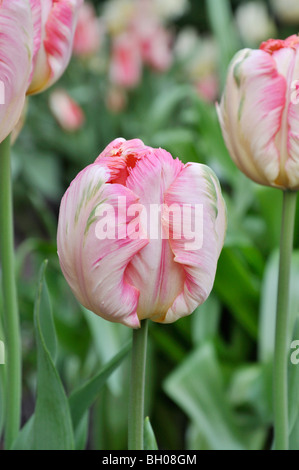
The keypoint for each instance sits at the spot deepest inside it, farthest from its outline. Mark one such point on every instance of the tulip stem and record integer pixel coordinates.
(137, 386)
(280, 395)
(10, 306)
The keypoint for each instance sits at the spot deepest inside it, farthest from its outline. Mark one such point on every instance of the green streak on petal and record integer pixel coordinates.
(241, 106)
(237, 70)
(92, 216)
(88, 193)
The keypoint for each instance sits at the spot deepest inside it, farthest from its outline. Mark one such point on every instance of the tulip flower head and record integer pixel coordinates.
(54, 28)
(259, 113)
(16, 49)
(89, 32)
(66, 111)
(140, 234)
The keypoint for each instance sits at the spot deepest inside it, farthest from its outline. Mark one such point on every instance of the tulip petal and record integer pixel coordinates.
(250, 114)
(16, 49)
(58, 19)
(95, 267)
(37, 27)
(153, 270)
(196, 185)
(292, 124)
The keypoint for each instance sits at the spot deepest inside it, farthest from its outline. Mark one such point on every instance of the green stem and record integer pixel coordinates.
(10, 306)
(136, 401)
(281, 424)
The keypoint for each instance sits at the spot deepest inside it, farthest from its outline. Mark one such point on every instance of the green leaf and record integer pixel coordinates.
(242, 295)
(52, 428)
(150, 442)
(24, 440)
(270, 205)
(81, 399)
(268, 304)
(81, 432)
(197, 387)
(205, 321)
(113, 336)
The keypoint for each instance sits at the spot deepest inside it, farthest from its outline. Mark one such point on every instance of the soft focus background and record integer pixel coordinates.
(154, 70)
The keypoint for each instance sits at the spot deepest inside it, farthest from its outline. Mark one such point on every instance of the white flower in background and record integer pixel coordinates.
(205, 59)
(171, 9)
(254, 23)
(199, 57)
(117, 14)
(286, 10)
(186, 43)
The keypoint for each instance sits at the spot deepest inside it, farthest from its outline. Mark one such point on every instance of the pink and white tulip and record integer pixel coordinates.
(126, 61)
(16, 50)
(259, 113)
(89, 32)
(54, 28)
(66, 111)
(144, 267)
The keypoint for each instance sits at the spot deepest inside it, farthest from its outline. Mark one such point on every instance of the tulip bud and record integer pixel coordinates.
(54, 28)
(66, 111)
(140, 234)
(259, 113)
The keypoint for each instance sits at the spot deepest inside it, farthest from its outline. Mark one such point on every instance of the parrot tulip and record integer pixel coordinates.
(16, 50)
(66, 111)
(54, 28)
(259, 113)
(136, 262)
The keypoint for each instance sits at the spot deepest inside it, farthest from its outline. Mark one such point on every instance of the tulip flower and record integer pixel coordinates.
(126, 61)
(254, 23)
(148, 263)
(88, 33)
(286, 10)
(259, 113)
(16, 46)
(54, 28)
(66, 111)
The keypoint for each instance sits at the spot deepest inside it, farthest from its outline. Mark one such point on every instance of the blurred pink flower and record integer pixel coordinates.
(126, 62)
(54, 27)
(88, 33)
(149, 269)
(66, 111)
(155, 45)
(16, 49)
(259, 113)
(208, 88)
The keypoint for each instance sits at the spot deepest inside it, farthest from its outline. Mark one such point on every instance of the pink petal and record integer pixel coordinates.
(196, 185)
(125, 63)
(251, 112)
(153, 270)
(59, 19)
(287, 140)
(96, 268)
(16, 49)
(66, 111)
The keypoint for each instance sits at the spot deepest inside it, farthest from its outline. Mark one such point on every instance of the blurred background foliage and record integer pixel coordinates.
(209, 375)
